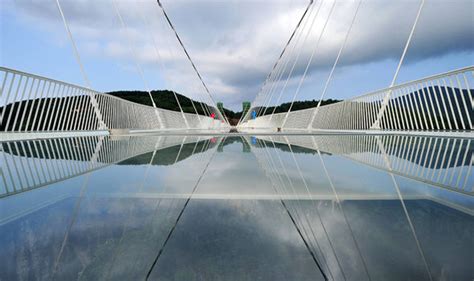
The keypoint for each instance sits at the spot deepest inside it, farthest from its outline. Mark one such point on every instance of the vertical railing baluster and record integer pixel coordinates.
(450, 103)
(456, 102)
(56, 100)
(461, 142)
(82, 110)
(68, 109)
(461, 91)
(48, 101)
(12, 107)
(432, 104)
(27, 102)
(62, 104)
(420, 107)
(425, 104)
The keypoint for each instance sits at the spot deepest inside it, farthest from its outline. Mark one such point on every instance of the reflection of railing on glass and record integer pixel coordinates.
(31, 103)
(441, 162)
(34, 163)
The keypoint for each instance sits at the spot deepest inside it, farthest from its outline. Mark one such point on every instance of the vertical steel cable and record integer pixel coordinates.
(171, 53)
(376, 124)
(190, 60)
(334, 65)
(296, 59)
(309, 62)
(135, 57)
(160, 62)
(170, 233)
(402, 202)
(333, 188)
(279, 72)
(293, 219)
(243, 118)
(81, 66)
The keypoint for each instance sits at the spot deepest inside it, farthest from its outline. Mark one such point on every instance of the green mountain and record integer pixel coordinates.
(163, 99)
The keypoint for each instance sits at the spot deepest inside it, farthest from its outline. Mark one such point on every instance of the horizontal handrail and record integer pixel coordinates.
(34, 103)
(437, 102)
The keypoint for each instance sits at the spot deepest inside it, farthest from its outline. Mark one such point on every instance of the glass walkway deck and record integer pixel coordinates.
(162, 207)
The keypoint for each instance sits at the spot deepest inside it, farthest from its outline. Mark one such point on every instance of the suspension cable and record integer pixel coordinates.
(279, 58)
(135, 57)
(292, 69)
(172, 53)
(161, 63)
(281, 68)
(81, 66)
(376, 125)
(277, 71)
(295, 60)
(334, 65)
(309, 63)
(189, 58)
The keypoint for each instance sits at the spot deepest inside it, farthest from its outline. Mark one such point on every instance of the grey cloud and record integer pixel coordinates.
(235, 43)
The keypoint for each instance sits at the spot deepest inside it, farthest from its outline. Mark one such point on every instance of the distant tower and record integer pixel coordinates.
(220, 106)
(245, 107)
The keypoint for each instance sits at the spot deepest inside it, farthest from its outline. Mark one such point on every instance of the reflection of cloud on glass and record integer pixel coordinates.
(340, 194)
(225, 239)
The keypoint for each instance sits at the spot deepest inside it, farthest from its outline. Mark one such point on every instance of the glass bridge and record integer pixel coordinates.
(376, 186)
(237, 207)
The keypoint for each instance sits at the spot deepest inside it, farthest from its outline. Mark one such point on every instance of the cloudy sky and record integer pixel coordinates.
(235, 44)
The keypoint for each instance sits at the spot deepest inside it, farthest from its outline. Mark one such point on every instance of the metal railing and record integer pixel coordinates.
(31, 103)
(442, 102)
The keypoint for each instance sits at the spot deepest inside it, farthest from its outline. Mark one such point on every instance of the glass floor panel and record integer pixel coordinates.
(281, 207)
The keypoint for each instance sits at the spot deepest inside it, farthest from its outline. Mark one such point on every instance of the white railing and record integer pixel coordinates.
(442, 102)
(31, 103)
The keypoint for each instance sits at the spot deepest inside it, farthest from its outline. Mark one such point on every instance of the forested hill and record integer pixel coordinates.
(297, 105)
(163, 99)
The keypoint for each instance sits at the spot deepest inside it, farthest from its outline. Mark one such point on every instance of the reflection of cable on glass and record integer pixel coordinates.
(325, 259)
(405, 210)
(140, 188)
(75, 213)
(174, 200)
(170, 233)
(340, 206)
(305, 216)
(137, 63)
(293, 219)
